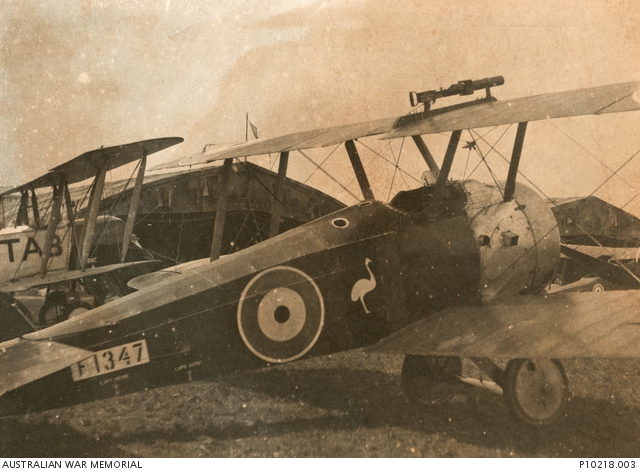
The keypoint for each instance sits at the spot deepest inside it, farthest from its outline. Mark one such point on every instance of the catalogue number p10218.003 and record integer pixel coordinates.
(608, 464)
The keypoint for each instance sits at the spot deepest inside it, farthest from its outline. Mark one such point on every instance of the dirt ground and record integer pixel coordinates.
(347, 405)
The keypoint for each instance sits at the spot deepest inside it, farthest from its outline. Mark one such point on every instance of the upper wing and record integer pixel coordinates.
(596, 100)
(561, 326)
(321, 137)
(88, 164)
(590, 101)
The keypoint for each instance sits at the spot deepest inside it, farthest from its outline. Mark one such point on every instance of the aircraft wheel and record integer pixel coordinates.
(51, 314)
(78, 308)
(535, 390)
(597, 288)
(430, 380)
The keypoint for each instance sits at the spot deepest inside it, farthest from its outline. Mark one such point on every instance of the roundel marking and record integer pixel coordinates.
(280, 314)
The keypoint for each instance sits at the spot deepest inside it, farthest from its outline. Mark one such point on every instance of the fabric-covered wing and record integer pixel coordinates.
(295, 141)
(619, 253)
(161, 276)
(596, 100)
(607, 270)
(22, 361)
(562, 326)
(590, 101)
(88, 164)
(37, 280)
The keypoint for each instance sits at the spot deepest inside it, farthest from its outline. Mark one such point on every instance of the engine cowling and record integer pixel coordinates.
(518, 241)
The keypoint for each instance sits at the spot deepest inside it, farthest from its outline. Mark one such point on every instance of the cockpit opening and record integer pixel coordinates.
(418, 200)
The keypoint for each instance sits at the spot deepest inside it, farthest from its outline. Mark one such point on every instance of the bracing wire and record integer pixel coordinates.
(328, 175)
(388, 161)
(589, 235)
(482, 157)
(251, 206)
(395, 170)
(321, 164)
(603, 164)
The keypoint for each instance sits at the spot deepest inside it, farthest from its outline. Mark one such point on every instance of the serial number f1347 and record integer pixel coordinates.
(111, 360)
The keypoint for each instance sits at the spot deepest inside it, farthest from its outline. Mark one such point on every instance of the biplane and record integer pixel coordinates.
(51, 244)
(445, 271)
(599, 246)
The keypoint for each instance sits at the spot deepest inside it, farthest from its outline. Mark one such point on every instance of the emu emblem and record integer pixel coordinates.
(363, 286)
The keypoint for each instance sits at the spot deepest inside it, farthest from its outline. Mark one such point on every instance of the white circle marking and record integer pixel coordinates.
(274, 329)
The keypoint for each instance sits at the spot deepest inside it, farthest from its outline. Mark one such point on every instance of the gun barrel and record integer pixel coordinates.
(488, 82)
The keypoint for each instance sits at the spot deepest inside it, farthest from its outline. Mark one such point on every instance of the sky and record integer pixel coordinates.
(77, 75)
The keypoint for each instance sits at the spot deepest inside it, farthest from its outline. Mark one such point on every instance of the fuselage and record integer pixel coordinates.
(343, 281)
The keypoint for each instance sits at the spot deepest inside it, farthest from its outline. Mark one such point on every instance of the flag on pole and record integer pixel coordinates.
(254, 130)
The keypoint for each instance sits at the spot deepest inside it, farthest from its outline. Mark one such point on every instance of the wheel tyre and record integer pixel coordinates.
(76, 309)
(51, 314)
(597, 288)
(430, 380)
(535, 391)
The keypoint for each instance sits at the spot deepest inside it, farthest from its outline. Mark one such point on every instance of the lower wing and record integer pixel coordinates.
(562, 326)
(23, 361)
(37, 280)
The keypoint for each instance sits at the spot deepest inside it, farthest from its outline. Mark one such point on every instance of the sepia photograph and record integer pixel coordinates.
(319, 229)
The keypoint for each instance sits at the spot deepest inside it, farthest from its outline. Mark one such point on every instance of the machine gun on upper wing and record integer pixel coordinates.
(436, 274)
(464, 87)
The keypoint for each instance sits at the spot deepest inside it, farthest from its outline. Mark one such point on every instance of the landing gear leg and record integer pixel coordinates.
(430, 380)
(535, 390)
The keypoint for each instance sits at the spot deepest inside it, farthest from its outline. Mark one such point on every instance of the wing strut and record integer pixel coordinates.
(23, 210)
(35, 209)
(92, 216)
(510, 186)
(361, 175)
(133, 207)
(71, 217)
(54, 219)
(221, 209)
(426, 154)
(278, 197)
(438, 192)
